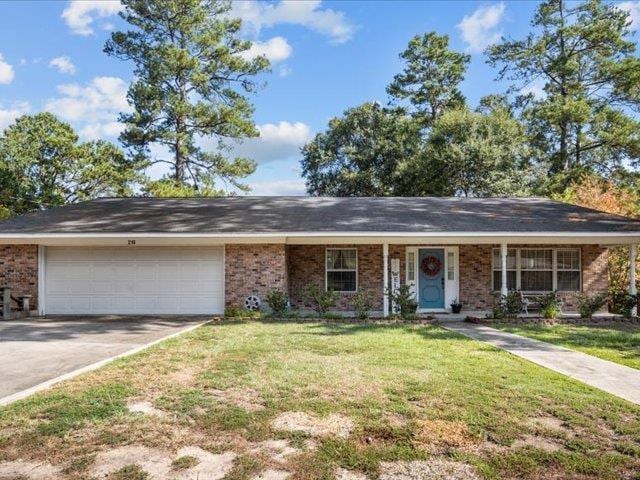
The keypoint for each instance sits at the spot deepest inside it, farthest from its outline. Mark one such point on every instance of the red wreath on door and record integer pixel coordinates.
(431, 266)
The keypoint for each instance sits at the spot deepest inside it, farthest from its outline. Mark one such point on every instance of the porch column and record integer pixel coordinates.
(503, 260)
(633, 290)
(385, 279)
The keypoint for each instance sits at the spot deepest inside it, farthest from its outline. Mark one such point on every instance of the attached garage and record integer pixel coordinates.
(133, 280)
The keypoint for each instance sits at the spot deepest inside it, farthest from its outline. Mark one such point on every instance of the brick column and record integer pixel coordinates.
(19, 270)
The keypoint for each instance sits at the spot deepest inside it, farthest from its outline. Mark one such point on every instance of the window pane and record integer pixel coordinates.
(450, 266)
(569, 281)
(411, 266)
(511, 259)
(568, 260)
(497, 280)
(536, 281)
(341, 281)
(341, 259)
(536, 259)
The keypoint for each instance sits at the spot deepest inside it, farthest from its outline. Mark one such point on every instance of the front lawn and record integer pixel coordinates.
(618, 343)
(321, 401)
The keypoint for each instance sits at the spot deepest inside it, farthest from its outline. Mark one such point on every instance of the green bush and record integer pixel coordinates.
(622, 303)
(589, 304)
(363, 302)
(550, 305)
(509, 305)
(278, 302)
(323, 300)
(404, 302)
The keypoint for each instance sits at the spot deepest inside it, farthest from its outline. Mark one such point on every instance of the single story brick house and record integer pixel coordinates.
(198, 255)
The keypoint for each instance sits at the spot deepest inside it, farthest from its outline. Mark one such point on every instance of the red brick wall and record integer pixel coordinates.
(475, 273)
(19, 270)
(307, 266)
(254, 270)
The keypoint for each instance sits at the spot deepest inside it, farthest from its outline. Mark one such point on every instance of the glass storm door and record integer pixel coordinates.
(431, 278)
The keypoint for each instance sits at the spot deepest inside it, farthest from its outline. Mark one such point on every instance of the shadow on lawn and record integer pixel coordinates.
(431, 332)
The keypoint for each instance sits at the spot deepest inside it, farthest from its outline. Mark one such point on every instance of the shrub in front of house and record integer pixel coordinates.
(550, 306)
(589, 304)
(363, 302)
(322, 300)
(507, 306)
(404, 301)
(278, 301)
(622, 303)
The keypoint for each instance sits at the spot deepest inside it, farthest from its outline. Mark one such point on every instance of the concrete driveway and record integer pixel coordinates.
(34, 351)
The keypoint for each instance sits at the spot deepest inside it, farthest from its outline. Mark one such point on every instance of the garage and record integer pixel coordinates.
(133, 280)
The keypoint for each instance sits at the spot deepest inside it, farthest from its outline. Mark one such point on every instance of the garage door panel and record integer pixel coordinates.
(151, 280)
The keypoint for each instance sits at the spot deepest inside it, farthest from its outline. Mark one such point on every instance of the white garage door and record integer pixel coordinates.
(134, 280)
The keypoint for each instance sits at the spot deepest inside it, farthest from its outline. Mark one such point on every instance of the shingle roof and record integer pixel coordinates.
(318, 214)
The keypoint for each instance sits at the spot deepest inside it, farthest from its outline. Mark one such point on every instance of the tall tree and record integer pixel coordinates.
(582, 54)
(191, 80)
(43, 165)
(476, 154)
(431, 77)
(368, 151)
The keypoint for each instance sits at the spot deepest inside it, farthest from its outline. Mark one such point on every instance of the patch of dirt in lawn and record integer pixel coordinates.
(435, 469)
(344, 474)
(272, 475)
(146, 408)
(549, 423)
(397, 420)
(25, 469)
(153, 461)
(332, 425)
(541, 443)
(440, 436)
(211, 466)
(277, 450)
(245, 398)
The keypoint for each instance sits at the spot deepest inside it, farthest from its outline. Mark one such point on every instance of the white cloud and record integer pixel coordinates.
(279, 141)
(96, 131)
(93, 107)
(6, 72)
(633, 8)
(276, 50)
(478, 30)
(257, 15)
(80, 14)
(536, 89)
(63, 65)
(278, 187)
(8, 115)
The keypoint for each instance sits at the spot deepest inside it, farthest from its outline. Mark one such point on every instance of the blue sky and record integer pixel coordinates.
(327, 56)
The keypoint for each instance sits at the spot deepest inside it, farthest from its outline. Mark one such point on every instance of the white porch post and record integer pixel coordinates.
(385, 279)
(503, 261)
(632, 275)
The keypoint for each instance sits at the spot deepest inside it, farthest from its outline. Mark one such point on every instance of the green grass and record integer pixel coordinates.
(616, 343)
(413, 392)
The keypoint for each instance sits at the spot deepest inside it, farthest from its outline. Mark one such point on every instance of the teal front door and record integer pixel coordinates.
(431, 278)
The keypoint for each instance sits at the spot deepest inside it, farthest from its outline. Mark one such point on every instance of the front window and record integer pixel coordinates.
(342, 269)
(539, 269)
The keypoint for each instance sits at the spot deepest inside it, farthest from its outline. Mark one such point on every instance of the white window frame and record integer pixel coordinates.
(554, 268)
(327, 269)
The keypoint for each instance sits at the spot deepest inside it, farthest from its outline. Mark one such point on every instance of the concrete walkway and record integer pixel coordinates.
(35, 353)
(613, 378)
